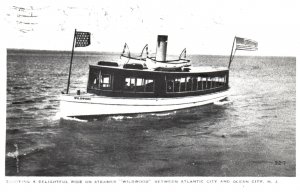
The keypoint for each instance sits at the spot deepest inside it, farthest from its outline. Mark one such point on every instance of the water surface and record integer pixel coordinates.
(245, 136)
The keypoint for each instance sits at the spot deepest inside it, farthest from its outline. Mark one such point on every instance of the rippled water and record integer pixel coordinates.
(246, 136)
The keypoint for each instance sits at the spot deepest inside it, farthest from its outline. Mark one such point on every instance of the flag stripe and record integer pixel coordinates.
(254, 49)
(246, 44)
(246, 47)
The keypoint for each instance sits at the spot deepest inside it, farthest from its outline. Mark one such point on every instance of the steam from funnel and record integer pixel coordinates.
(161, 49)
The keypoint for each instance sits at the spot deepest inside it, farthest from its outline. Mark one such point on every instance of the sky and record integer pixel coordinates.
(201, 26)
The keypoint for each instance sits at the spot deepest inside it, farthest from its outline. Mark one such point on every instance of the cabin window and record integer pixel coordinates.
(213, 82)
(218, 82)
(105, 82)
(182, 84)
(221, 81)
(188, 84)
(177, 85)
(209, 83)
(194, 84)
(139, 85)
(149, 85)
(100, 81)
(170, 85)
(139, 82)
(93, 80)
(204, 83)
(129, 84)
(136, 84)
(199, 83)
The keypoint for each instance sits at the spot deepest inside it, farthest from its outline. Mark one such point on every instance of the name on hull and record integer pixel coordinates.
(82, 98)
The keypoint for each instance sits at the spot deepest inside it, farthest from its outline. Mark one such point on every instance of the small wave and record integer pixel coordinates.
(32, 109)
(203, 132)
(74, 119)
(191, 134)
(22, 87)
(58, 74)
(24, 102)
(220, 103)
(119, 117)
(270, 108)
(28, 101)
(222, 135)
(267, 116)
(239, 134)
(49, 107)
(164, 114)
(53, 100)
(14, 131)
(46, 87)
(178, 146)
(12, 118)
(255, 67)
(44, 132)
(17, 110)
(9, 89)
(21, 116)
(34, 133)
(12, 62)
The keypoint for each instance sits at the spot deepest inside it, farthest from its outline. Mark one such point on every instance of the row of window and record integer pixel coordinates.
(131, 84)
(136, 84)
(139, 84)
(194, 83)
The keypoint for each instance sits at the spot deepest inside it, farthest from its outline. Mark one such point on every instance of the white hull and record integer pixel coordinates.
(91, 105)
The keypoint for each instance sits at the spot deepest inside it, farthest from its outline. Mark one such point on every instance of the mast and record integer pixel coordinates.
(231, 54)
(70, 68)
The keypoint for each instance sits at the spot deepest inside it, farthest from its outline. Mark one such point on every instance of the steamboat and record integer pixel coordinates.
(143, 84)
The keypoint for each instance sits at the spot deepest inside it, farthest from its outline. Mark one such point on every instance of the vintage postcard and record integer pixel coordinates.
(187, 94)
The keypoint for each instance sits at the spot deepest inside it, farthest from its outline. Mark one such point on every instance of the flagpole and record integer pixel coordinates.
(71, 62)
(230, 60)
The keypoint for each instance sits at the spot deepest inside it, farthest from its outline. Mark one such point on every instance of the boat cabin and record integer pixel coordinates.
(114, 81)
(150, 77)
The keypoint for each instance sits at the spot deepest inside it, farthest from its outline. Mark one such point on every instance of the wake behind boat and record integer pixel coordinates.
(146, 84)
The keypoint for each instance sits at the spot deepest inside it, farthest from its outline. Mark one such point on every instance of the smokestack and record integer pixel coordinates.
(161, 49)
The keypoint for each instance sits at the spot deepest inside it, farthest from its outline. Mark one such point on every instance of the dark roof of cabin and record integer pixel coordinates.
(200, 69)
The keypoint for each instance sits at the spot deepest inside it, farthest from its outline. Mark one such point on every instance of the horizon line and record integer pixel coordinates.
(116, 52)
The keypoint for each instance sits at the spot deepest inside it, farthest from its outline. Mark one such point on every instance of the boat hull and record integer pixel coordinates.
(91, 105)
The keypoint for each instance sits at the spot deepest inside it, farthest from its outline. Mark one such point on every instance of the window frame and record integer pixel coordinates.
(136, 89)
(101, 83)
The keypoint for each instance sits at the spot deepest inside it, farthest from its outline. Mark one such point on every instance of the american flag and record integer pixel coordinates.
(245, 44)
(83, 39)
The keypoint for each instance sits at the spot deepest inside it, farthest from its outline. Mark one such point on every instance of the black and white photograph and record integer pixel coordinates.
(150, 89)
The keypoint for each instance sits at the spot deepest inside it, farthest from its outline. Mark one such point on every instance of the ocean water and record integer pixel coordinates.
(251, 134)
